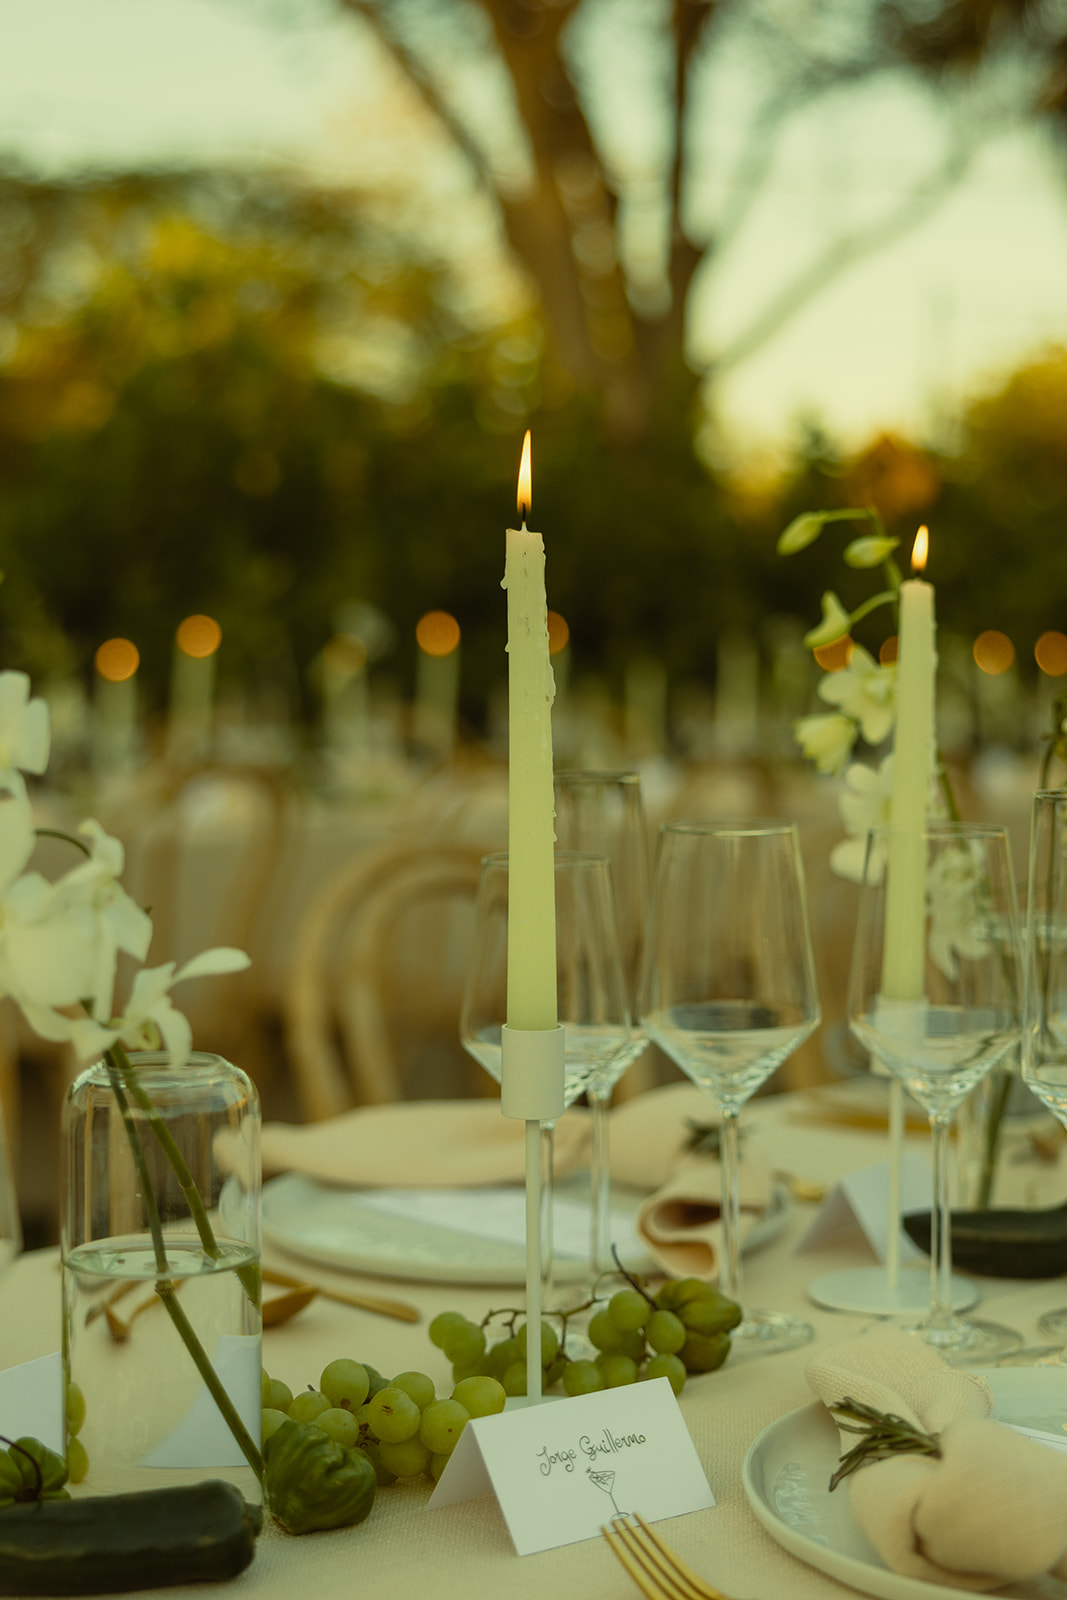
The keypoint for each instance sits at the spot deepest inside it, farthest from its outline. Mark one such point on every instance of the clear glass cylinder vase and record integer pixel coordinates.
(160, 1250)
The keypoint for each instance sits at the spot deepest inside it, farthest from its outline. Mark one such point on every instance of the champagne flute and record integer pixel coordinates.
(591, 993)
(729, 992)
(1044, 1031)
(955, 1023)
(602, 812)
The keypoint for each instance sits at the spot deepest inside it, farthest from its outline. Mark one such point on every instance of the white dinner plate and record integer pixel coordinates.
(400, 1233)
(787, 1472)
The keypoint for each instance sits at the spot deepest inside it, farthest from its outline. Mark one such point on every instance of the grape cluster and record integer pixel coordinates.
(399, 1423)
(684, 1328)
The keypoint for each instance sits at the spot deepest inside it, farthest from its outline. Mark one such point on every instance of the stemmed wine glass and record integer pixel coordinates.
(945, 1016)
(729, 992)
(591, 992)
(10, 1227)
(1044, 1031)
(602, 812)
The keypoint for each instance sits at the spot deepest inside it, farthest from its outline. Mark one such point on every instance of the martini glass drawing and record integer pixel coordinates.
(604, 1478)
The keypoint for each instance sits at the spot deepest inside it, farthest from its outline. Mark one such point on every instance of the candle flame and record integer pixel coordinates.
(920, 549)
(525, 479)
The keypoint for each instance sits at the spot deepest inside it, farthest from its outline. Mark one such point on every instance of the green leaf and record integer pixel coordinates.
(802, 531)
(834, 625)
(870, 550)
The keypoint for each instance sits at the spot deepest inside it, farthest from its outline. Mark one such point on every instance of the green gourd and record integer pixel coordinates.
(111, 1544)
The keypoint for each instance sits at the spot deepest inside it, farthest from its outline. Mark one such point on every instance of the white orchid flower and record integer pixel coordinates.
(864, 804)
(959, 923)
(24, 731)
(864, 691)
(151, 1017)
(59, 942)
(827, 740)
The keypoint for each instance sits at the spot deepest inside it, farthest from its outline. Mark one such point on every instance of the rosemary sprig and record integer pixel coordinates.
(883, 1435)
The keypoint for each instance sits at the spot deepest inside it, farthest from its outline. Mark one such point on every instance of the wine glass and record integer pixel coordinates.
(590, 989)
(729, 992)
(1044, 1031)
(602, 812)
(935, 995)
(10, 1227)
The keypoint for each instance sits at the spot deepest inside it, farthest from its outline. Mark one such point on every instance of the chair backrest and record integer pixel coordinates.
(382, 947)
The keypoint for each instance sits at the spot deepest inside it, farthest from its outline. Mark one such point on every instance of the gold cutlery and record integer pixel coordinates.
(658, 1571)
(402, 1310)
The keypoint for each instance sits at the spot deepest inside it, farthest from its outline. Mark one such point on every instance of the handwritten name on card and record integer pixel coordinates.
(561, 1470)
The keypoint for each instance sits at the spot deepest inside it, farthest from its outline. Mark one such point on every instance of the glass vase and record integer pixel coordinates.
(160, 1247)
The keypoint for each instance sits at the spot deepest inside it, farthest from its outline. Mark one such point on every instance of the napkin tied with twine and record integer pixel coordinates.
(468, 1143)
(991, 1510)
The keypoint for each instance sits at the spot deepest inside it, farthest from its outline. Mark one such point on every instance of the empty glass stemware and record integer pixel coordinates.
(1044, 1031)
(10, 1227)
(959, 1017)
(729, 992)
(602, 812)
(591, 993)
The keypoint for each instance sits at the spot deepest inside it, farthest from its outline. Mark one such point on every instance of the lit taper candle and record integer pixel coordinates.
(913, 766)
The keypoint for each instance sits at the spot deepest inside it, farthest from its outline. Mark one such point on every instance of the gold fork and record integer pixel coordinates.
(657, 1570)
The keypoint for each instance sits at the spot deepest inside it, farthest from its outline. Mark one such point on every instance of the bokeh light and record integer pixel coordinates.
(993, 652)
(117, 659)
(198, 636)
(834, 657)
(890, 650)
(558, 633)
(344, 655)
(1050, 653)
(437, 633)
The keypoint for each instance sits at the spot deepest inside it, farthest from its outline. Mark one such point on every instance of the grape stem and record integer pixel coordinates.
(12, 1444)
(634, 1283)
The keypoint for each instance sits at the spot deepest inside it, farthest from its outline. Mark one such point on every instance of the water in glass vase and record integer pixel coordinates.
(588, 1046)
(729, 1047)
(150, 1422)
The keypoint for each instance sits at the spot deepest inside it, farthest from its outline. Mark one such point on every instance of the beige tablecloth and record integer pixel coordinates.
(464, 1552)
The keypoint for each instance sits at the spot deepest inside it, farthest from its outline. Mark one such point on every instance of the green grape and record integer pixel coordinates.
(514, 1378)
(481, 1396)
(272, 1421)
(307, 1405)
(443, 1323)
(75, 1408)
(712, 1313)
(474, 1370)
(418, 1386)
(345, 1383)
(464, 1346)
(501, 1356)
(363, 1415)
(394, 1417)
(339, 1424)
(442, 1424)
(582, 1377)
(371, 1449)
(77, 1461)
(703, 1352)
(556, 1370)
(628, 1309)
(667, 1366)
(549, 1343)
(264, 1388)
(603, 1333)
(677, 1292)
(279, 1397)
(404, 1459)
(376, 1380)
(631, 1343)
(665, 1332)
(617, 1370)
(438, 1465)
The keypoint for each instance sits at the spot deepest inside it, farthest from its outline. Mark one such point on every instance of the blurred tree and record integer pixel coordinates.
(598, 131)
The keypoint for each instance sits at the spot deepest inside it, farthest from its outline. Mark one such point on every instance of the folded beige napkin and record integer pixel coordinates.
(991, 1510)
(419, 1144)
(681, 1223)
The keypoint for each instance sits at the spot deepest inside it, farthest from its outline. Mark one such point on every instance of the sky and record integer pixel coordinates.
(948, 310)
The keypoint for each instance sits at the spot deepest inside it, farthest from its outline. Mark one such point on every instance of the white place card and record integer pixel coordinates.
(862, 1199)
(31, 1401)
(203, 1437)
(560, 1471)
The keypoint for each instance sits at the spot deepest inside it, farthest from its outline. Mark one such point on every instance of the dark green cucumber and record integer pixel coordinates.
(110, 1544)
